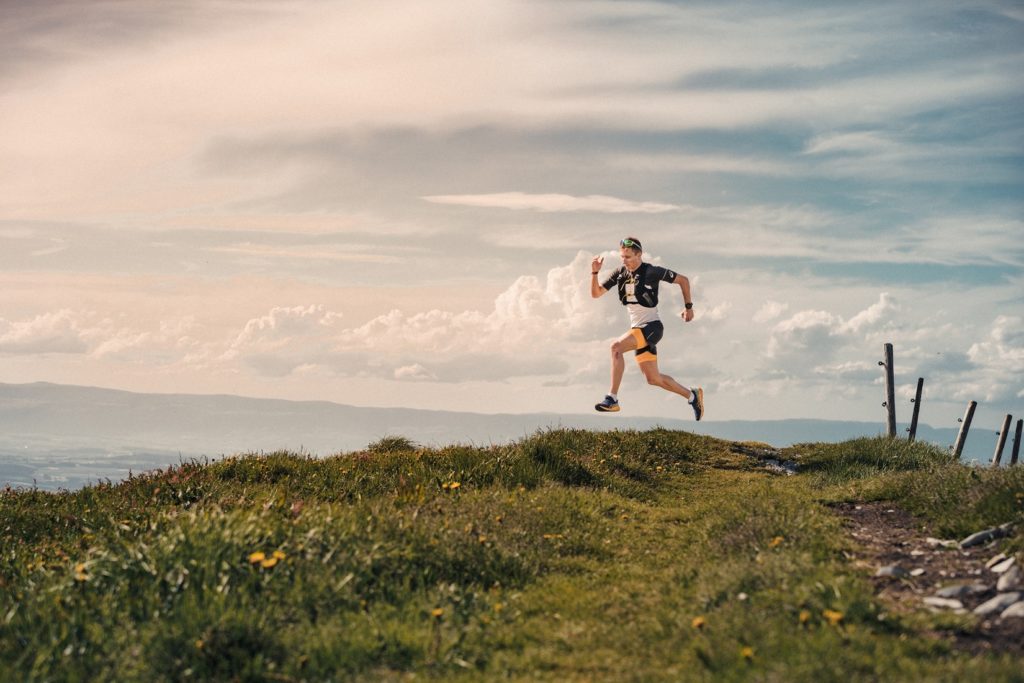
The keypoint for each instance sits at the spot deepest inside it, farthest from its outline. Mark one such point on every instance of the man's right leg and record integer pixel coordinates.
(621, 346)
(626, 343)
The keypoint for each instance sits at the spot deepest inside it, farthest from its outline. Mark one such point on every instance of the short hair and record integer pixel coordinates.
(632, 243)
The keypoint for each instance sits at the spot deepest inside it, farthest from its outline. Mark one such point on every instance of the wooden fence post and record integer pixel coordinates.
(917, 408)
(1001, 441)
(890, 392)
(965, 425)
(1016, 443)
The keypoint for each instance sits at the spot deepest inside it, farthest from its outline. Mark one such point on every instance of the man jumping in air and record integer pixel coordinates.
(637, 283)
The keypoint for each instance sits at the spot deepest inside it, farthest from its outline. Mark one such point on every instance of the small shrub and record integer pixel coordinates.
(392, 444)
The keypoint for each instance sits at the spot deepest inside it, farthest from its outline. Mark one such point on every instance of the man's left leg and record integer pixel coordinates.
(649, 366)
(655, 378)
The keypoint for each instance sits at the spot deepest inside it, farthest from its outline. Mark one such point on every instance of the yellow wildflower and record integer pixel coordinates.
(268, 563)
(257, 557)
(747, 652)
(80, 572)
(776, 542)
(805, 616)
(437, 613)
(454, 485)
(698, 622)
(498, 606)
(279, 555)
(832, 616)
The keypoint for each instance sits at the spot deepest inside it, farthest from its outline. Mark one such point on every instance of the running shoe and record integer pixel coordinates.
(608, 405)
(698, 403)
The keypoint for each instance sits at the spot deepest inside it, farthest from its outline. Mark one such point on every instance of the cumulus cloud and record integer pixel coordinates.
(529, 331)
(553, 203)
(91, 335)
(871, 316)
(810, 339)
(414, 372)
(56, 332)
(285, 339)
(770, 310)
(1001, 358)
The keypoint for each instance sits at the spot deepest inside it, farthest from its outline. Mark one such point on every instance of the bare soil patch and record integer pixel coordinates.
(887, 536)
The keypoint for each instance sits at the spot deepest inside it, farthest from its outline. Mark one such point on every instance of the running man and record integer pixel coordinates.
(637, 284)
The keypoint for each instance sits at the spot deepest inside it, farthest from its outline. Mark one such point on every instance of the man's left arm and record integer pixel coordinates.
(684, 284)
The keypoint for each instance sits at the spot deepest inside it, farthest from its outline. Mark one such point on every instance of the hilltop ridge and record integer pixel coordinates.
(65, 436)
(567, 555)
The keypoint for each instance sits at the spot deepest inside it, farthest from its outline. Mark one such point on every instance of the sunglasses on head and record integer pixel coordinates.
(630, 243)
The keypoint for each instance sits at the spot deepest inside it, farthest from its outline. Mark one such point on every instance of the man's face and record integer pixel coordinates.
(630, 258)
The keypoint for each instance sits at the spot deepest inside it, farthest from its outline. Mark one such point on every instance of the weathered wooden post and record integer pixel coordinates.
(917, 408)
(965, 426)
(890, 393)
(1016, 443)
(1001, 441)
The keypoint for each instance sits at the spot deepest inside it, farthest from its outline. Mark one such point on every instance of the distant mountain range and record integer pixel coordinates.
(57, 436)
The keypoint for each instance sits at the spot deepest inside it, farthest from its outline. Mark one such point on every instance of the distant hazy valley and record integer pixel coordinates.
(55, 436)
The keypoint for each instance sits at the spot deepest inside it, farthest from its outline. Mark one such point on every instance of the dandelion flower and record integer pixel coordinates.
(437, 613)
(832, 616)
(698, 622)
(279, 555)
(747, 652)
(257, 557)
(805, 616)
(268, 563)
(776, 542)
(454, 485)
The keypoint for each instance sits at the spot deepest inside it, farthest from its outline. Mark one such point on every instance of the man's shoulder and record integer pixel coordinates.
(658, 271)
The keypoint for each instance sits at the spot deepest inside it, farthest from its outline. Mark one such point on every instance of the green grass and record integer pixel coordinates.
(569, 555)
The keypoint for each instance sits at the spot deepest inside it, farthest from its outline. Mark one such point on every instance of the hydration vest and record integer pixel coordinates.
(641, 286)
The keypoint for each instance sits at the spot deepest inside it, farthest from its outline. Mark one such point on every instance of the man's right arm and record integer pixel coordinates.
(596, 289)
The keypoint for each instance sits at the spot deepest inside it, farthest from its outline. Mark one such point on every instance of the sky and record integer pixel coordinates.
(396, 203)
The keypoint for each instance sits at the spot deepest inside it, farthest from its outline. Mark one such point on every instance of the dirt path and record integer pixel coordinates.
(889, 537)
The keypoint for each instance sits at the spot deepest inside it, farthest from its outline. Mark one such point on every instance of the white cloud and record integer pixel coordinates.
(716, 313)
(553, 203)
(414, 372)
(529, 331)
(860, 142)
(871, 316)
(770, 310)
(56, 332)
(88, 334)
(810, 339)
(1000, 361)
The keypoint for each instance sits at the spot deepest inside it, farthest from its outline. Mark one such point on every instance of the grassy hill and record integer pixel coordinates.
(568, 555)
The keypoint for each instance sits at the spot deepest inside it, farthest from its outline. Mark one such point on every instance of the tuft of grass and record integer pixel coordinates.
(392, 444)
(866, 457)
